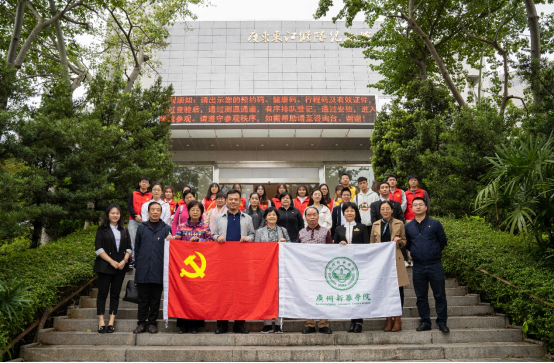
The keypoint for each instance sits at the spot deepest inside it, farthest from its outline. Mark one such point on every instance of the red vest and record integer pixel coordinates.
(172, 205)
(242, 205)
(301, 206)
(138, 200)
(410, 196)
(396, 196)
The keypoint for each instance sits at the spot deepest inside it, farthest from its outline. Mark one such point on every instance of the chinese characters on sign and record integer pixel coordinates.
(272, 109)
(344, 299)
(301, 37)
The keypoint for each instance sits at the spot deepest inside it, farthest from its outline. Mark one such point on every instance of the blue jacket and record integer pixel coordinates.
(149, 253)
(425, 247)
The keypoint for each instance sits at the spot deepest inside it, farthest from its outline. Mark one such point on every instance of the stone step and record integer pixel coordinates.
(131, 313)
(473, 351)
(470, 299)
(408, 292)
(64, 323)
(49, 336)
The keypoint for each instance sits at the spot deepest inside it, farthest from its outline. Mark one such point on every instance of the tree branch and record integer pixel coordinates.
(432, 30)
(127, 36)
(16, 35)
(86, 25)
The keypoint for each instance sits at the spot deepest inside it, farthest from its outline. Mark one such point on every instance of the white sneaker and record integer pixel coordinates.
(267, 329)
(406, 263)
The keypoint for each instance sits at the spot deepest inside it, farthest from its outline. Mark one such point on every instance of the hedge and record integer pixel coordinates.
(52, 271)
(507, 257)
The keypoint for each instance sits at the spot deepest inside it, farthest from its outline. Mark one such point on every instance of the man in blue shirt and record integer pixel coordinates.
(425, 241)
(233, 226)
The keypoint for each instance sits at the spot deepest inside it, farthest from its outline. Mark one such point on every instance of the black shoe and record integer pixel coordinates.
(308, 330)
(267, 329)
(194, 330)
(352, 328)
(444, 328)
(183, 330)
(240, 330)
(423, 327)
(358, 328)
(278, 329)
(221, 330)
(110, 329)
(325, 330)
(102, 329)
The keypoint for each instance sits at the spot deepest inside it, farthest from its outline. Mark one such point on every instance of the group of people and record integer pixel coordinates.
(352, 216)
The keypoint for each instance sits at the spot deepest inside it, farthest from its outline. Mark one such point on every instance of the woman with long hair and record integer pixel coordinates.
(242, 205)
(302, 200)
(182, 213)
(316, 201)
(255, 211)
(113, 249)
(209, 201)
(281, 188)
(193, 230)
(330, 202)
(338, 191)
(264, 202)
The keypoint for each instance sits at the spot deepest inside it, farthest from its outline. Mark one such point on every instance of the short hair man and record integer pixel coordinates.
(425, 240)
(233, 225)
(396, 194)
(413, 193)
(375, 208)
(345, 181)
(315, 234)
(337, 216)
(363, 200)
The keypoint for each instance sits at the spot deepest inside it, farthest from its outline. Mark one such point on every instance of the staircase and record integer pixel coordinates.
(476, 333)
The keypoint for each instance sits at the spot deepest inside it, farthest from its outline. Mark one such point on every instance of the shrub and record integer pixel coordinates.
(510, 258)
(51, 272)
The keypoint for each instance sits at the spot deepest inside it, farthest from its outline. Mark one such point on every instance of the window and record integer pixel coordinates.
(198, 178)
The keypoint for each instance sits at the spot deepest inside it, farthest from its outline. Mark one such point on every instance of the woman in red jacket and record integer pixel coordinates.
(209, 201)
(264, 202)
(242, 205)
(302, 200)
(281, 188)
(330, 202)
(169, 193)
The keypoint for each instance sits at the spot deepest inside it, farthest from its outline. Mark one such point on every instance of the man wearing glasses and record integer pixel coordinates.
(425, 241)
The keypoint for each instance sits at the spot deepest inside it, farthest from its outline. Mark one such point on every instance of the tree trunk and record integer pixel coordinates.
(60, 42)
(534, 30)
(16, 36)
(37, 234)
(136, 71)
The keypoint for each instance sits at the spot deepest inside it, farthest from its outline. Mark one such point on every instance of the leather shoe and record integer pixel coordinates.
(139, 329)
(240, 330)
(221, 330)
(152, 329)
(388, 327)
(444, 328)
(358, 328)
(183, 330)
(423, 327)
(308, 330)
(194, 330)
(325, 330)
(352, 328)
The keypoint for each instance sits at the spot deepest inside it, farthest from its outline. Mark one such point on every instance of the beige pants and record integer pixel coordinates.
(323, 323)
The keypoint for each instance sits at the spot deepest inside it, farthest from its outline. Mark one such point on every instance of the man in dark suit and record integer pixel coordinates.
(375, 207)
(337, 216)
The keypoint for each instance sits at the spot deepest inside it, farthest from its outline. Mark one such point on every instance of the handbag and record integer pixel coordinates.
(131, 292)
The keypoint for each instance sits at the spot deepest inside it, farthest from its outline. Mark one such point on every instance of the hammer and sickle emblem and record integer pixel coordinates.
(198, 270)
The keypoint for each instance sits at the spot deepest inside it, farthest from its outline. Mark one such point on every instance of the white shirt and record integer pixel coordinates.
(302, 199)
(166, 213)
(349, 230)
(117, 236)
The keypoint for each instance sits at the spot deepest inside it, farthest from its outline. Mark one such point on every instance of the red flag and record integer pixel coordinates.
(229, 281)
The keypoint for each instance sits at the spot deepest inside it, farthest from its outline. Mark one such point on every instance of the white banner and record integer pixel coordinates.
(319, 281)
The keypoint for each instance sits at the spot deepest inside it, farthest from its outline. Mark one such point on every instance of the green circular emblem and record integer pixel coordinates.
(341, 273)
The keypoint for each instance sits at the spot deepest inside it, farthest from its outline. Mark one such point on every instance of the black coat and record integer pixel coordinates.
(257, 216)
(149, 253)
(336, 220)
(359, 234)
(375, 210)
(106, 240)
(291, 219)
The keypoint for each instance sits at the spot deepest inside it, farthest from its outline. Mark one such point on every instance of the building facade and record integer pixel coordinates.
(268, 102)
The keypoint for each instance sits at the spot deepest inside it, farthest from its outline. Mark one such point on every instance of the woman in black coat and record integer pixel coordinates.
(352, 232)
(113, 249)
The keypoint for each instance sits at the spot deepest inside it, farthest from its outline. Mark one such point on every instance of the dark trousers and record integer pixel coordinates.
(225, 323)
(423, 276)
(149, 296)
(108, 284)
(189, 323)
(404, 253)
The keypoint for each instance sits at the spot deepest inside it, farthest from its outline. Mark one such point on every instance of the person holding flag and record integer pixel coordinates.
(391, 229)
(233, 226)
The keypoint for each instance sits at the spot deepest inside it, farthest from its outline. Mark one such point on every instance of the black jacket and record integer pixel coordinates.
(149, 253)
(425, 246)
(257, 216)
(375, 210)
(336, 218)
(105, 240)
(291, 219)
(359, 234)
